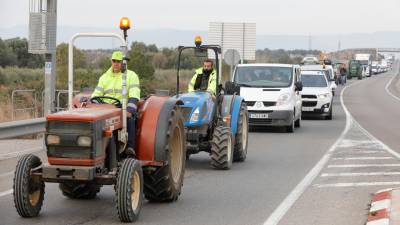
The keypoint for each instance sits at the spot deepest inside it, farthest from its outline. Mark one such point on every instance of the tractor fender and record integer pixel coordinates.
(231, 106)
(162, 128)
(152, 126)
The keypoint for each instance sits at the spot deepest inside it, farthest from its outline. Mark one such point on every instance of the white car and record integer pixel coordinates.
(316, 94)
(271, 92)
(329, 73)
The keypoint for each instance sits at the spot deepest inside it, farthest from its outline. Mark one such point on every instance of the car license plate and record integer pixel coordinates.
(307, 109)
(258, 115)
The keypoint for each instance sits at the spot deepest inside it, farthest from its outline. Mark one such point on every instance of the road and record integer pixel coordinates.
(256, 191)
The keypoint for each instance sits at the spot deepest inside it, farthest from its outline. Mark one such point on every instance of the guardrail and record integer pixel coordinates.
(22, 127)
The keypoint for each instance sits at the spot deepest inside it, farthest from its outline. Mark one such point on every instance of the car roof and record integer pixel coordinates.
(316, 67)
(267, 65)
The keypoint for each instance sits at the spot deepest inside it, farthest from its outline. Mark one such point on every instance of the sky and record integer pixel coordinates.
(273, 17)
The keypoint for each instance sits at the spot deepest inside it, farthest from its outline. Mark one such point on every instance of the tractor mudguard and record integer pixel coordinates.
(231, 106)
(152, 126)
(162, 129)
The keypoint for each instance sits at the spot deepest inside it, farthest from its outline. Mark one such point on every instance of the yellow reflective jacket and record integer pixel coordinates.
(110, 84)
(212, 80)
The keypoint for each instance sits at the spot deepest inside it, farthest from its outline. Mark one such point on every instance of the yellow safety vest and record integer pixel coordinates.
(211, 81)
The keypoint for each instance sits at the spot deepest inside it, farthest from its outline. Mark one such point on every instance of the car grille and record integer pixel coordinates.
(266, 104)
(260, 121)
(308, 96)
(309, 104)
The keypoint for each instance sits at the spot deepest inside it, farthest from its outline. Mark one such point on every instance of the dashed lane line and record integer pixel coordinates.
(363, 165)
(363, 158)
(360, 184)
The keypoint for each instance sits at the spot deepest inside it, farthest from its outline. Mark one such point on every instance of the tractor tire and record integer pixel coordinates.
(74, 190)
(129, 190)
(165, 183)
(241, 139)
(221, 148)
(28, 192)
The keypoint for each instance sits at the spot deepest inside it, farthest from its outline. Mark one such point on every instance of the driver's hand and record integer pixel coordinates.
(84, 99)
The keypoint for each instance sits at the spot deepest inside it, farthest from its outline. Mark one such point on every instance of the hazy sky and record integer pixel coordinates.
(272, 16)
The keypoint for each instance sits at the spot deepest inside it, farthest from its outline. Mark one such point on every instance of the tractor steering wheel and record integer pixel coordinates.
(100, 100)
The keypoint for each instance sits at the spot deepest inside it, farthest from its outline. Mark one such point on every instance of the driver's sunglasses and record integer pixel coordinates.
(116, 61)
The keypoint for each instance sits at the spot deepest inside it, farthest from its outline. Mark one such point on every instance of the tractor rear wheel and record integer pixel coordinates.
(221, 148)
(28, 191)
(129, 190)
(165, 183)
(241, 139)
(76, 190)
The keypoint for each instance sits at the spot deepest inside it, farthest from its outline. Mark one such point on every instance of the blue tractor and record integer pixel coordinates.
(215, 124)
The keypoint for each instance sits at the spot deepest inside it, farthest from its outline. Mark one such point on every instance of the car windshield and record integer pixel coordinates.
(313, 80)
(264, 76)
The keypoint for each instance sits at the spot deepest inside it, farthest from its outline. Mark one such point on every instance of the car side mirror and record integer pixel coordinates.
(298, 86)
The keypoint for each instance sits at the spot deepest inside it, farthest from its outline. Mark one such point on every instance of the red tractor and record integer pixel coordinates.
(85, 149)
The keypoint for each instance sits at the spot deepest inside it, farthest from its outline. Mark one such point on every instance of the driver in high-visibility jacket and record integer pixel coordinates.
(110, 84)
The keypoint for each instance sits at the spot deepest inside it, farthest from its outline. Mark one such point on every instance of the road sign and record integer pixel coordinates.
(232, 57)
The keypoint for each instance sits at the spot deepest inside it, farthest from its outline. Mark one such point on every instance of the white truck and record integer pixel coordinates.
(365, 61)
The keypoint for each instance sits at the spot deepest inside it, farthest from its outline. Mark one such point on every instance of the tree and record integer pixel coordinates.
(24, 58)
(139, 63)
(62, 64)
(7, 56)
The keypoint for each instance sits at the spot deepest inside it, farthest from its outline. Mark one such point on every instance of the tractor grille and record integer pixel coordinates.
(308, 96)
(186, 113)
(309, 104)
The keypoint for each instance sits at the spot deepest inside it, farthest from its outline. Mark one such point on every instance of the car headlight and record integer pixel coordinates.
(195, 115)
(84, 141)
(53, 139)
(283, 99)
(323, 96)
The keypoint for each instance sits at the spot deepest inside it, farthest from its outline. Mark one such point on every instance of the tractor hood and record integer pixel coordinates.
(91, 114)
(197, 100)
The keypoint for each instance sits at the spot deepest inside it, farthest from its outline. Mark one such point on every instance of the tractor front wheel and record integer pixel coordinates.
(129, 190)
(28, 190)
(241, 139)
(221, 148)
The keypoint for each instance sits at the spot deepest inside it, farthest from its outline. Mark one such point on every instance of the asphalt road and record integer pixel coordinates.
(251, 191)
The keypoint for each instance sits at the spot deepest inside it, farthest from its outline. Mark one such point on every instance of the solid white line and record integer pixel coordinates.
(361, 184)
(379, 205)
(288, 202)
(4, 193)
(363, 165)
(387, 88)
(360, 152)
(363, 158)
(360, 174)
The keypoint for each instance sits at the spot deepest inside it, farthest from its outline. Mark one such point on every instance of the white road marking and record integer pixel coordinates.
(379, 205)
(387, 88)
(4, 193)
(361, 184)
(363, 165)
(360, 152)
(384, 221)
(360, 174)
(288, 202)
(16, 154)
(363, 158)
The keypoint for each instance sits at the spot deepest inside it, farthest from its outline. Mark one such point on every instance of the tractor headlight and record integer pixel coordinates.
(195, 115)
(53, 139)
(84, 141)
(283, 99)
(323, 96)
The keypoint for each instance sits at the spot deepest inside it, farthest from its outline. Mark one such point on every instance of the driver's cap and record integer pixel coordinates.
(117, 55)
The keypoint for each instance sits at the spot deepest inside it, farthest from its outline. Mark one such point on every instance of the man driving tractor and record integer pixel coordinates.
(110, 84)
(204, 78)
